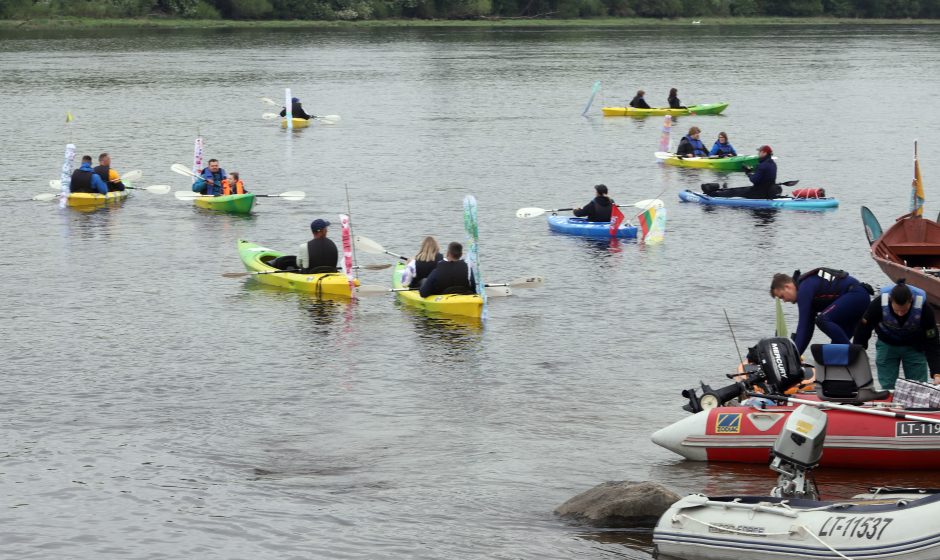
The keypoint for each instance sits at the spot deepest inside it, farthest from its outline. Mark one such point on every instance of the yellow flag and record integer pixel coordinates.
(917, 187)
(68, 117)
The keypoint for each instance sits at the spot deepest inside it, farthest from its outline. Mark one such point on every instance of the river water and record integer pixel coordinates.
(154, 409)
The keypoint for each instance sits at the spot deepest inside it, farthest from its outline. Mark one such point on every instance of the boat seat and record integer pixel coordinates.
(843, 374)
(903, 249)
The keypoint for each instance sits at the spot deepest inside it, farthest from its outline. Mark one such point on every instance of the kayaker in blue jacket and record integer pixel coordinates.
(907, 333)
(763, 179)
(296, 110)
(638, 102)
(691, 145)
(828, 298)
(599, 209)
(722, 148)
(212, 178)
(85, 180)
(450, 276)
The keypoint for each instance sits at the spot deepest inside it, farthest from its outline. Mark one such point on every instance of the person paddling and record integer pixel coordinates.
(85, 180)
(691, 145)
(233, 185)
(211, 181)
(296, 110)
(828, 298)
(599, 209)
(450, 276)
(763, 179)
(108, 175)
(318, 255)
(674, 102)
(722, 148)
(421, 266)
(638, 101)
(907, 333)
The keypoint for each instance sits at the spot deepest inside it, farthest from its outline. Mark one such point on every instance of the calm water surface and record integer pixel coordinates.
(153, 409)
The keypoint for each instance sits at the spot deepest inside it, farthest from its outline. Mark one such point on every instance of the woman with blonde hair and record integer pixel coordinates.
(422, 264)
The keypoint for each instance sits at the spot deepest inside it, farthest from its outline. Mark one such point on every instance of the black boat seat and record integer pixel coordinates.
(843, 374)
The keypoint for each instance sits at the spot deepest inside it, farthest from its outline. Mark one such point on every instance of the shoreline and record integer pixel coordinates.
(180, 23)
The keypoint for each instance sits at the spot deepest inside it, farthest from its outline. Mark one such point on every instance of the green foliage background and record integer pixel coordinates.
(464, 9)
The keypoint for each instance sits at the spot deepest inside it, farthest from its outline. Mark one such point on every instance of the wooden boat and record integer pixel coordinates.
(909, 249)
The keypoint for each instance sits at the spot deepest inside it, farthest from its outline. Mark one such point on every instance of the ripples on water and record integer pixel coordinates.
(154, 409)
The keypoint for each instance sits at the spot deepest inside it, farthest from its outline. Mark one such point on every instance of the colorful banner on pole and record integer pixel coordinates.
(347, 253)
(288, 105)
(66, 176)
(664, 137)
(616, 218)
(917, 188)
(197, 157)
(658, 228)
(473, 252)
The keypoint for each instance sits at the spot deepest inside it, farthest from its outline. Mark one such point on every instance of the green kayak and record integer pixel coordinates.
(231, 204)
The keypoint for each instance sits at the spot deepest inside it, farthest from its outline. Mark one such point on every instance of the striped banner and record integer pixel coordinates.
(347, 253)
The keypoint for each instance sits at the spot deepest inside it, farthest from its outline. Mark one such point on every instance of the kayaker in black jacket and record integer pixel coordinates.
(296, 110)
(319, 254)
(674, 102)
(691, 145)
(638, 101)
(598, 210)
(450, 276)
(108, 175)
(763, 179)
(423, 264)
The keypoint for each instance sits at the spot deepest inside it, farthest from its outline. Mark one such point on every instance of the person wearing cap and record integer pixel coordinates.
(296, 110)
(318, 255)
(691, 145)
(598, 210)
(907, 334)
(451, 276)
(638, 102)
(763, 179)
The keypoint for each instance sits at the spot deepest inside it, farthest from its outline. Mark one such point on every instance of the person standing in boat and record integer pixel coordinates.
(421, 266)
(599, 209)
(211, 181)
(451, 276)
(318, 255)
(674, 102)
(722, 148)
(296, 110)
(907, 334)
(108, 175)
(85, 180)
(638, 101)
(828, 298)
(691, 145)
(763, 179)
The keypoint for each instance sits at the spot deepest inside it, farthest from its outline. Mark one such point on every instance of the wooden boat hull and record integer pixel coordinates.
(910, 249)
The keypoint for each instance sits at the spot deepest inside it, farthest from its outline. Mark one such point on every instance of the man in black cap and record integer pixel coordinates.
(319, 254)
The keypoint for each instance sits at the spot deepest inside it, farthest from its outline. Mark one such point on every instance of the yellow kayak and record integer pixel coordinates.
(703, 109)
(450, 304)
(93, 200)
(256, 259)
(297, 123)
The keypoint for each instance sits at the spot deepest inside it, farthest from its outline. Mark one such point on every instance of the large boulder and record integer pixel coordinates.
(620, 504)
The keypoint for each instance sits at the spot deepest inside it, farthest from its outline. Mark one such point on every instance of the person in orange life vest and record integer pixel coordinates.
(233, 185)
(108, 175)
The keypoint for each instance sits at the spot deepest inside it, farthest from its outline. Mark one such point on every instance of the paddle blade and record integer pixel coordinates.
(235, 274)
(45, 197)
(269, 101)
(330, 119)
(530, 212)
(186, 195)
(158, 189)
(55, 184)
(293, 195)
(790, 183)
(375, 266)
(527, 282)
(371, 290)
(132, 175)
(872, 226)
(498, 291)
(367, 245)
(183, 170)
(269, 116)
(649, 203)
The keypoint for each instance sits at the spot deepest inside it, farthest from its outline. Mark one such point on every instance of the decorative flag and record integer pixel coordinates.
(287, 109)
(664, 138)
(658, 228)
(197, 158)
(347, 252)
(597, 86)
(917, 188)
(781, 320)
(66, 176)
(68, 117)
(473, 252)
(646, 222)
(616, 218)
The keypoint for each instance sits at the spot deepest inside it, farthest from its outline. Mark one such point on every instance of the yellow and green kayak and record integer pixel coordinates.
(703, 109)
(90, 201)
(231, 204)
(735, 163)
(449, 304)
(256, 259)
(297, 123)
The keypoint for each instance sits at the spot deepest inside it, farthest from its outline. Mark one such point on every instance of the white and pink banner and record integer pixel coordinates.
(197, 157)
(347, 252)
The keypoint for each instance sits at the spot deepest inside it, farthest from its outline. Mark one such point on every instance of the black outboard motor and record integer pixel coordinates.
(774, 367)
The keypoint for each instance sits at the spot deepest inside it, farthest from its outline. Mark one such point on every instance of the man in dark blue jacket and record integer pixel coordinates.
(450, 276)
(599, 209)
(763, 179)
(827, 298)
(85, 180)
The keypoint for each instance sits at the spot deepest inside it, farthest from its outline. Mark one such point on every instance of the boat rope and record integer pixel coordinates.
(761, 534)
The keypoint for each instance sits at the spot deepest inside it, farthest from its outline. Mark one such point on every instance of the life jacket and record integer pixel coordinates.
(723, 149)
(321, 256)
(834, 285)
(453, 277)
(216, 189)
(423, 269)
(890, 327)
(698, 148)
(104, 172)
(81, 181)
(227, 187)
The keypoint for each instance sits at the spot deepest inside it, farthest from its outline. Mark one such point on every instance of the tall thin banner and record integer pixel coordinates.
(917, 188)
(658, 228)
(664, 137)
(616, 218)
(473, 252)
(347, 252)
(597, 86)
(66, 175)
(197, 157)
(287, 109)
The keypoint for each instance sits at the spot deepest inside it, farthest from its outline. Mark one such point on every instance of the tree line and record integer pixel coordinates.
(466, 9)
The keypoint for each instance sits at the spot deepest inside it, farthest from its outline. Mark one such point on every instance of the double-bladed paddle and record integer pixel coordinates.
(297, 271)
(190, 195)
(535, 212)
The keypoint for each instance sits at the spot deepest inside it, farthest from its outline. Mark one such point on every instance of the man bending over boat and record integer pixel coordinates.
(598, 210)
(212, 179)
(907, 332)
(318, 255)
(85, 180)
(450, 276)
(827, 298)
(763, 179)
(108, 175)
(296, 110)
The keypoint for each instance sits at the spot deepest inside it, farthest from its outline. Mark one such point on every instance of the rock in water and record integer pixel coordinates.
(620, 504)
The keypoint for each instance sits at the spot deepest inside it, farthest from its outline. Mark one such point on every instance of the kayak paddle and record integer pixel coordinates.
(535, 212)
(295, 271)
(289, 195)
(369, 246)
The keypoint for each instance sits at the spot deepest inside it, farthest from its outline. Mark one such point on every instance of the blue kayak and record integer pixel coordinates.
(582, 227)
(781, 202)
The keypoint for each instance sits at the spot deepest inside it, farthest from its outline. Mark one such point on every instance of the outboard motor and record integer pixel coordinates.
(774, 367)
(797, 452)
